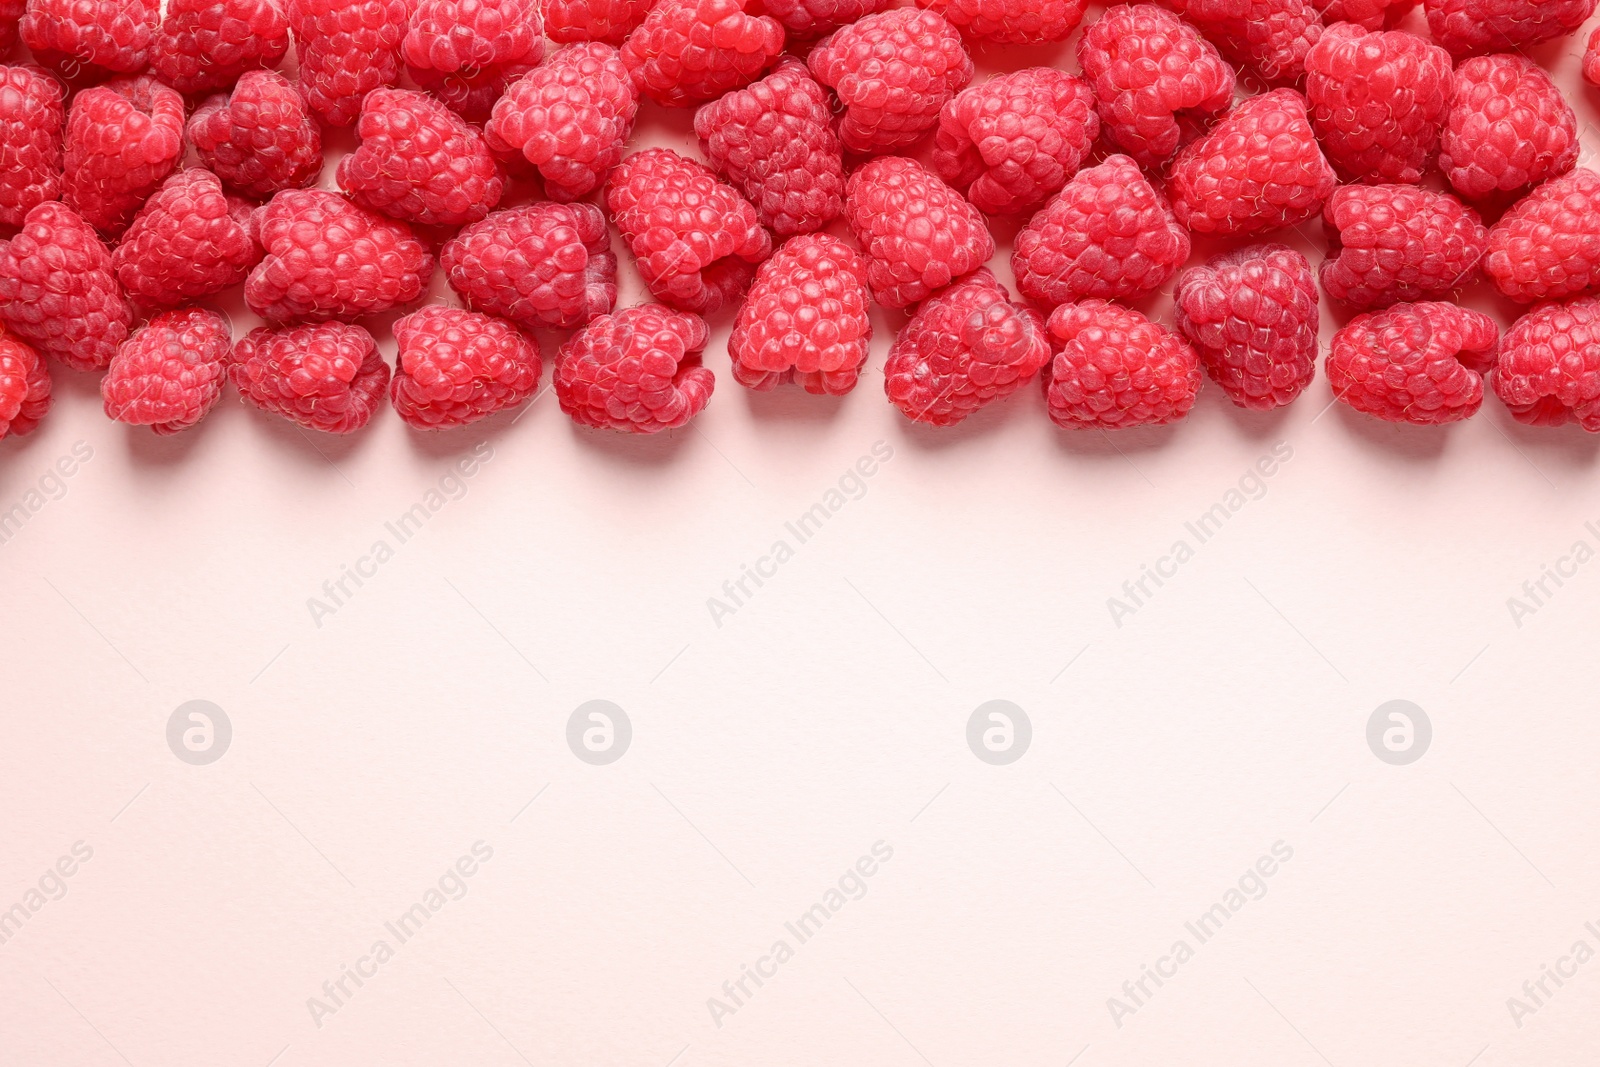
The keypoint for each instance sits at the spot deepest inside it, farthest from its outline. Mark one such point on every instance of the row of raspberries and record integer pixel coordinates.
(810, 114)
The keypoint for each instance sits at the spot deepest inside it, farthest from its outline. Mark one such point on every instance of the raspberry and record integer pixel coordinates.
(457, 367)
(965, 348)
(1467, 26)
(170, 372)
(1548, 245)
(91, 39)
(1012, 21)
(919, 235)
(1011, 142)
(1591, 59)
(419, 162)
(1390, 243)
(347, 49)
(327, 259)
(261, 139)
(637, 371)
(1378, 101)
(893, 72)
(569, 118)
(1548, 373)
(324, 377)
(24, 388)
(543, 266)
(686, 51)
(1114, 368)
(205, 45)
(453, 35)
(1153, 75)
(1107, 234)
(593, 20)
(31, 119)
(57, 292)
(1271, 36)
(1416, 363)
(11, 12)
(697, 242)
(1258, 169)
(470, 94)
(1252, 316)
(1368, 14)
(185, 243)
(805, 319)
(123, 138)
(809, 19)
(1509, 128)
(775, 142)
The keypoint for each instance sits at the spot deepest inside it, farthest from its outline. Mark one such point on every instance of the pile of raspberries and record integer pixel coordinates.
(151, 160)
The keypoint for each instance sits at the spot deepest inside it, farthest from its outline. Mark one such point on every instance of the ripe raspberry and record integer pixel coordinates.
(57, 292)
(170, 372)
(123, 138)
(568, 21)
(1258, 169)
(1467, 26)
(1153, 76)
(472, 94)
(1378, 101)
(31, 119)
(1107, 234)
(775, 142)
(1416, 363)
(261, 139)
(453, 35)
(1591, 59)
(347, 49)
(1548, 373)
(1012, 21)
(569, 118)
(697, 242)
(419, 162)
(542, 266)
(687, 51)
(324, 377)
(1368, 14)
(24, 388)
(965, 348)
(205, 45)
(10, 16)
(1270, 36)
(328, 259)
(919, 235)
(1548, 245)
(1389, 243)
(810, 19)
(1509, 128)
(91, 40)
(1012, 142)
(457, 367)
(637, 371)
(893, 72)
(1114, 368)
(805, 320)
(1252, 316)
(185, 243)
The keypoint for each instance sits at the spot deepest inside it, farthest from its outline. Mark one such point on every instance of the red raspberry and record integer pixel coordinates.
(593, 20)
(347, 49)
(123, 139)
(1416, 363)
(261, 139)
(1389, 243)
(170, 372)
(687, 51)
(1271, 36)
(1258, 169)
(965, 348)
(10, 16)
(1378, 101)
(1548, 373)
(91, 40)
(24, 388)
(805, 319)
(1591, 59)
(1548, 245)
(1107, 234)
(1012, 21)
(542, 266)
(775, 142)
(185, 243)
(324, 377)
(637, 371)
(1153, 76)
(1509, 128)
(697, 242)
(1252, 316)
(809, 19)
(457, 367)
(1368, 14)
(419, 162)
(1114, 368)
(1467, 26)
(893, 72)
(57, 292)
(453, 35)
(205, 45)
(328, 259)
(570, 118)
(472, 94)
(919, 235)
(31, 119)
(1011, 142)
